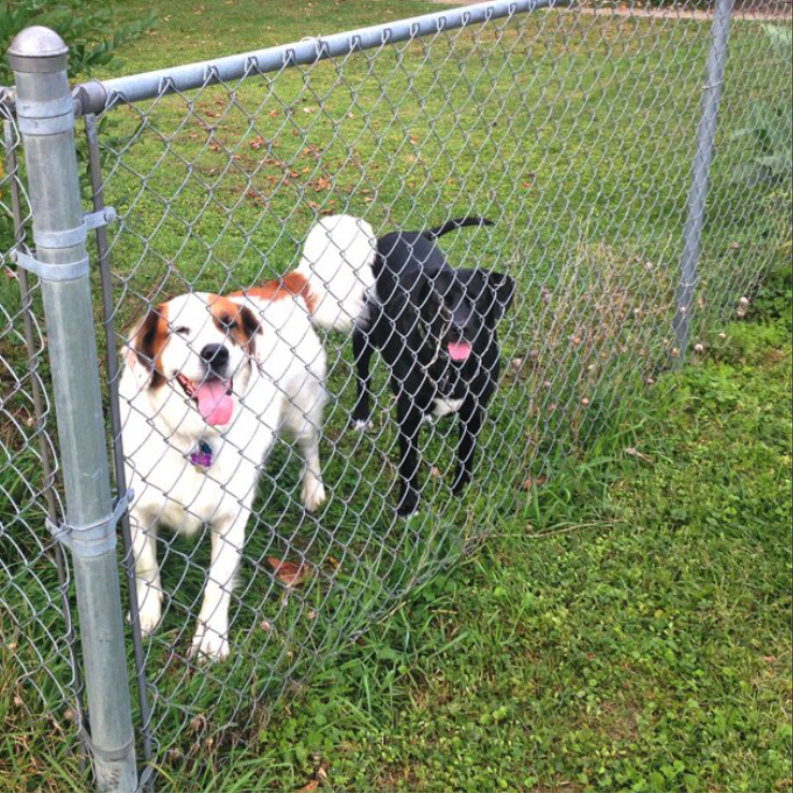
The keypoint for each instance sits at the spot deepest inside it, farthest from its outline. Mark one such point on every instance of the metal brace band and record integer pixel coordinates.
(52, 272)
(107, 754)
(70, 237)
(46, 126)
(94, 539)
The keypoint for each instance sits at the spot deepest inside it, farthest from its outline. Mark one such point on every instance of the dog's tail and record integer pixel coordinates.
(453, 225)
(337, 262)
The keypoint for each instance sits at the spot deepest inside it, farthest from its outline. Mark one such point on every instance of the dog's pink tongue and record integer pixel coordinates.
(459, 350)
(214, 404)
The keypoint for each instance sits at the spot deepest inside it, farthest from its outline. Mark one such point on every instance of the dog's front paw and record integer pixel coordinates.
(461, 480)
(362, 425)
(408, 503)
(208, 645)
(149, 611)
(313, 495)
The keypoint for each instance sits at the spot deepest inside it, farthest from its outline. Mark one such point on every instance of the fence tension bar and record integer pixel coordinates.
(45, 115)
(111, 354)
(700, 178)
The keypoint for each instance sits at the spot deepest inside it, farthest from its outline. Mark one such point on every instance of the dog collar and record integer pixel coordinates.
(202, 456)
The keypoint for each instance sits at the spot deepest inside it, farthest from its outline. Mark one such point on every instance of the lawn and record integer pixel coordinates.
(619, 613)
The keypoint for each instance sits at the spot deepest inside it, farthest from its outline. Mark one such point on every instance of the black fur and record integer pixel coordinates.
(422, 306)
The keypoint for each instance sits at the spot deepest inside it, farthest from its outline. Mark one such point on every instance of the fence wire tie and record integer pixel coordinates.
(93, 539)
(64, 239)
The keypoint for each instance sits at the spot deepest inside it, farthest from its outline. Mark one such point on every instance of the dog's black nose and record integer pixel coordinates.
(215, 356)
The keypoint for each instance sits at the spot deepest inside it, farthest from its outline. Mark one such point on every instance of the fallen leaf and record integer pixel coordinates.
(273, 113)
(289, 573)
(435, 472)
(9, 273)
(321, 184)
(309, 788)
(198, 723)
(257, 142)
(532, 482)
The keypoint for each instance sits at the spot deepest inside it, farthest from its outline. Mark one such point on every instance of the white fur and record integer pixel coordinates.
(281, 389)
(444, 407)
(338, 254)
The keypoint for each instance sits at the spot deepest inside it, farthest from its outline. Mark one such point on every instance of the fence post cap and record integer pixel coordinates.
(38, 49)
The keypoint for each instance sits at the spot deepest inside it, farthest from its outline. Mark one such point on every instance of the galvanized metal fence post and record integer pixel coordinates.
(700, 175)
(45, 116)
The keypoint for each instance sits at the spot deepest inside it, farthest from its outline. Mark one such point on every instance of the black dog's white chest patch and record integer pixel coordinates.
(444, 407)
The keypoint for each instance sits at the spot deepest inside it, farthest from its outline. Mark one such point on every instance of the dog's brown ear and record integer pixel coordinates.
(145, 347)
(250, 326)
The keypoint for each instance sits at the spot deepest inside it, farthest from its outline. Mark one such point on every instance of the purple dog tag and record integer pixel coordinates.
(202, 456)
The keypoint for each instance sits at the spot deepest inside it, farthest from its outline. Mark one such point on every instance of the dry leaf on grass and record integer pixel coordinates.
(288, 573)
(321, 184)
(309, 788)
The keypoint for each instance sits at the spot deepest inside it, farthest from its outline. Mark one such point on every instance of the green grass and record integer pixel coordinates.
(613, 629)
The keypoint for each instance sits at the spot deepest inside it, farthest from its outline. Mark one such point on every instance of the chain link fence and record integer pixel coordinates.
(572, 130)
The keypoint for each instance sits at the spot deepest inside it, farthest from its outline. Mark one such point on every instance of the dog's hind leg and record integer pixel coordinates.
(313, 491)
(303, 418)
(362, 350)
(147, 571)
(211, 640)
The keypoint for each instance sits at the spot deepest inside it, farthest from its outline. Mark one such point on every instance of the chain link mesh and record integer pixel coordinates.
(38, 670)
(573, 132)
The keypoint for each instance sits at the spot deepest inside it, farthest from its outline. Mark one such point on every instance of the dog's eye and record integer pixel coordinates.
(182, 331)
(229, 324)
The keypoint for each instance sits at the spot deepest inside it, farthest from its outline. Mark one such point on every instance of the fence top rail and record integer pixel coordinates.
(96, 95)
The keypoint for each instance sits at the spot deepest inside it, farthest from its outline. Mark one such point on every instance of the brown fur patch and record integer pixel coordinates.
(291, 285)
(238, 322)
(150, 341)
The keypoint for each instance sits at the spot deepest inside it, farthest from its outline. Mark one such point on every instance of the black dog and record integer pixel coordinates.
(436, 329)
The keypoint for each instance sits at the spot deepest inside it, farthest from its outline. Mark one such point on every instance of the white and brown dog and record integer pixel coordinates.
(209, 381)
